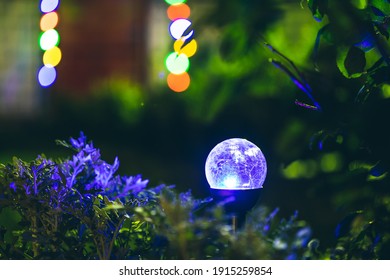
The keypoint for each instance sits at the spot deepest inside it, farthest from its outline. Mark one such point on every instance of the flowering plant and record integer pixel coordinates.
(79, 208)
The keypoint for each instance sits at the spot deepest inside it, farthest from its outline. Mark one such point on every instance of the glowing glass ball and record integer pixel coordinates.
(236, 164)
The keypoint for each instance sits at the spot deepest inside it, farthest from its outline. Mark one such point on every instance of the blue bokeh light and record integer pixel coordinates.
(46, 76)
(236, 164)
(48, 6)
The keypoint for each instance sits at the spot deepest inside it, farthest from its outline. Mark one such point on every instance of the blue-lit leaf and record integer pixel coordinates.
(317, 140)
(380, 7)
(383, 28)
(367, 43)
(303, 86)
(363, 94)
(344, 227)
(325, 139)
(296, 76)
(378, 170)
(320, 35)
(377, 12)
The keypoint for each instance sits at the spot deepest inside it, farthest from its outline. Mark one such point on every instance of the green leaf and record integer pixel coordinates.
(351, 61)
(113, 206)
(381, 5)
(381, 75)
(318, 8)
(344, 227)
(9, 219)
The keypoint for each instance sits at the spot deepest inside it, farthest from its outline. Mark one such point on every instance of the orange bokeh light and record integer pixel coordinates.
(178, 11)
(49, 21)
(178, 83)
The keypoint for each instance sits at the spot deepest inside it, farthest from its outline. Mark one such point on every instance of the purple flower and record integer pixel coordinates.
(269, 219)
(132, 185)
(80, 142)
(27, 189)
(303, 237)
(13, 186)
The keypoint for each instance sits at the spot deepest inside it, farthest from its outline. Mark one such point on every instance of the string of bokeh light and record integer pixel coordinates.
(49, 40)
(177, 62)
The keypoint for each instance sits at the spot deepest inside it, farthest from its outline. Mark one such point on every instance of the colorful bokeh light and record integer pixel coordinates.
(49, 21)
(178, 83)
(177, 63)
(175, 2)
(187, 49)
(49, 40)
(46, 76)
(52, 57)
(178, 11)
(179, 27)
(185, 46)
(48, 6)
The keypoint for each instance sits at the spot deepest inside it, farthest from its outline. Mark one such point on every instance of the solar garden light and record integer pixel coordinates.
(236, 170)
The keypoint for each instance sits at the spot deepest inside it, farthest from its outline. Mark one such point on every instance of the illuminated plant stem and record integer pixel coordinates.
(118, 227)
(103, 250)
(34, 234)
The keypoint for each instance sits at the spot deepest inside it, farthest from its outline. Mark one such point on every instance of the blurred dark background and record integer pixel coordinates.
(111, 85)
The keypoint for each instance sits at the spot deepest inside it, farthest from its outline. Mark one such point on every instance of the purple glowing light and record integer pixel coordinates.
(236, 164)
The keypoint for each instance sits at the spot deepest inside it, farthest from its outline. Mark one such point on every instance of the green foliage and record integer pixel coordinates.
(358, 31)
(337, 155)
(77, 208)
(318, 8)
(128, 98)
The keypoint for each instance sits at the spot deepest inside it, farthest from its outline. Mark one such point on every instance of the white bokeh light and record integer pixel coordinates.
(179, 27)
(236, 164)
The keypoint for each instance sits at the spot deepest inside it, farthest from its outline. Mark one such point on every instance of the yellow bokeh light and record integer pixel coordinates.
(52, 57)
(189, 49)
(49, 21)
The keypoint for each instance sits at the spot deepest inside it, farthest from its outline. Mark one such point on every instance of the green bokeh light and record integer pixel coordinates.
(175, 2)
(177, 63)
(300, 169)
(360, 4)
(49, 39)
(331, 162)
(386, 91)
